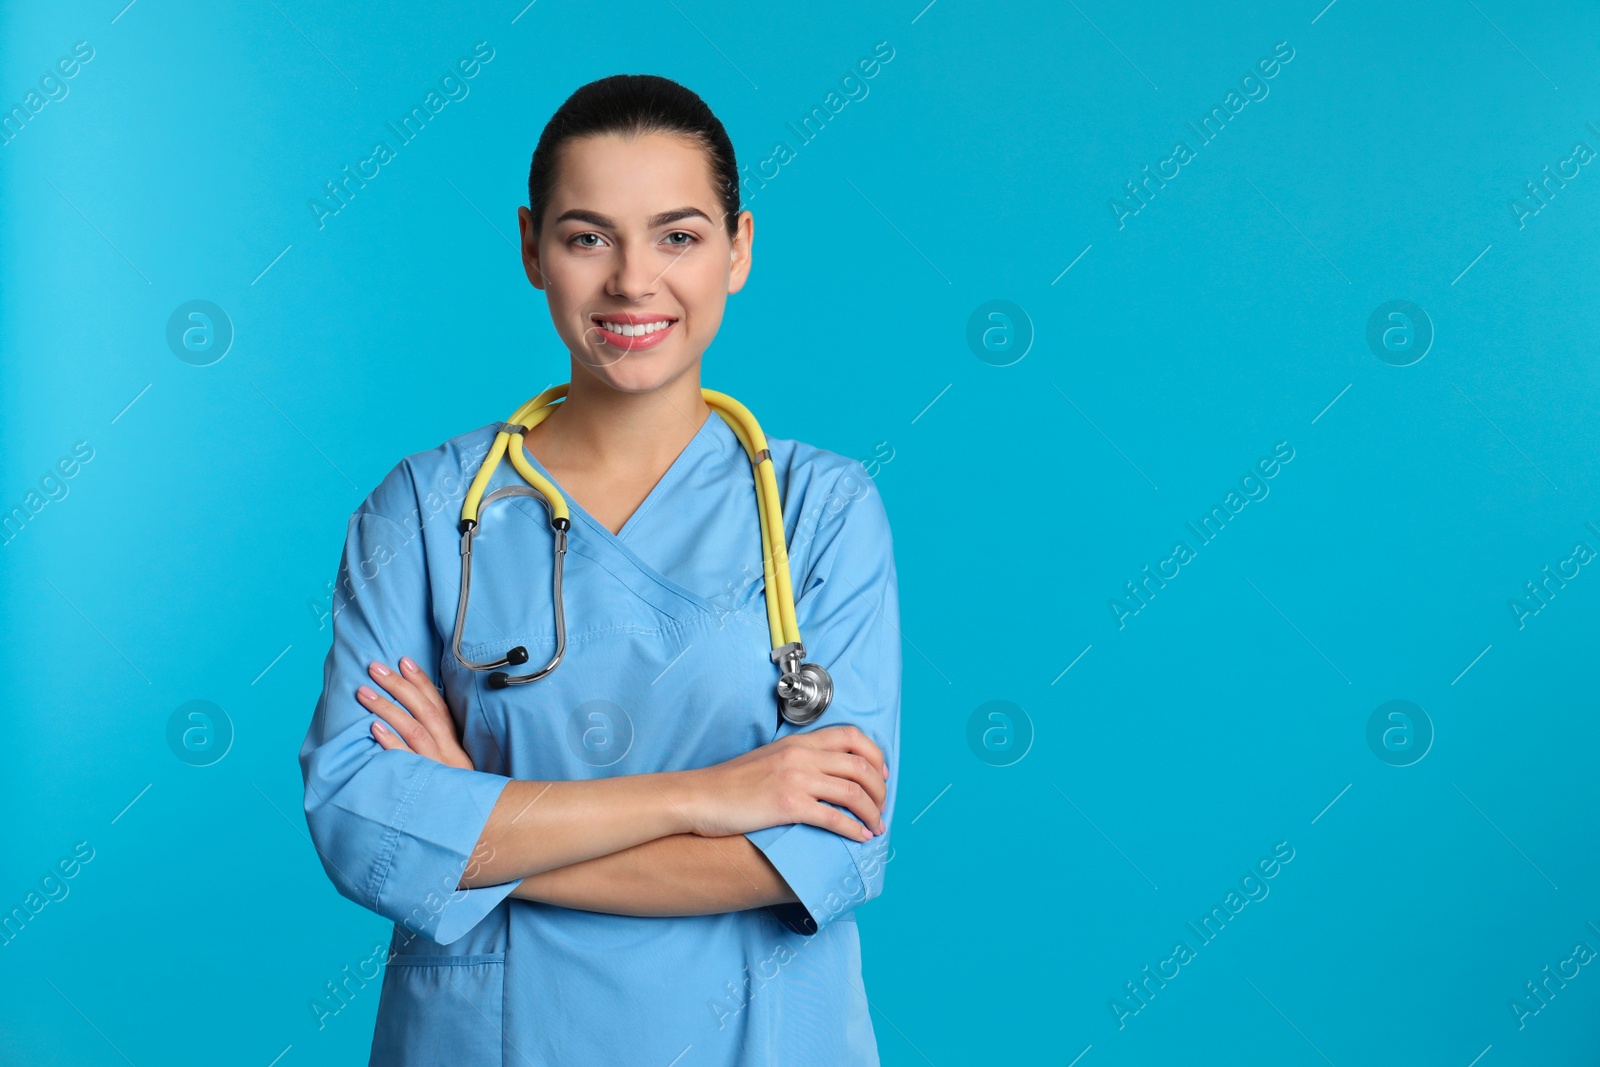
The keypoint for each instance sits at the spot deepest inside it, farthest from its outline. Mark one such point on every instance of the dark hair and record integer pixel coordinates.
(633, 105)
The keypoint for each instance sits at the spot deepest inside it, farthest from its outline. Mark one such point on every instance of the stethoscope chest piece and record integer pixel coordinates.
(805, 689)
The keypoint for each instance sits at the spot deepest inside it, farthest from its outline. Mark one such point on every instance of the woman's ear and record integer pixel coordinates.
(744, 236)
(530, 248)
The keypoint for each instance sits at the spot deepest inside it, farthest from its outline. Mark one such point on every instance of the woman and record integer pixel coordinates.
(632, 860)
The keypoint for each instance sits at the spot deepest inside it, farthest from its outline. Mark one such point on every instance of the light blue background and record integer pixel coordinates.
(189, 558)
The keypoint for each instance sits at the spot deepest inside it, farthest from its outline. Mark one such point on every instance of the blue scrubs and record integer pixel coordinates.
(666, 668)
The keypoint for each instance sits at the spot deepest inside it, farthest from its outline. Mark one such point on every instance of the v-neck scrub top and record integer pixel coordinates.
(667, 667)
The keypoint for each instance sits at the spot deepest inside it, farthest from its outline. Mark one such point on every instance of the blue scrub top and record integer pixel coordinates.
(666, 668)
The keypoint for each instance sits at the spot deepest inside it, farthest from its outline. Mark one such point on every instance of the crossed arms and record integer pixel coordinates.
(667, 843)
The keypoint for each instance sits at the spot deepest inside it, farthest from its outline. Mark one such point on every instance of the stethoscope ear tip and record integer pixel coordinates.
(501, 680)
(517, 655)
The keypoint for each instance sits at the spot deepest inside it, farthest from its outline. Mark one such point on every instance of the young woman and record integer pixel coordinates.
(632, 859)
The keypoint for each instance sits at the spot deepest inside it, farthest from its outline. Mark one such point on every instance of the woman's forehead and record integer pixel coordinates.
(631, 178)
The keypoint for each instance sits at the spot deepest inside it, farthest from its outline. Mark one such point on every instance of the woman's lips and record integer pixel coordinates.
(634, 344)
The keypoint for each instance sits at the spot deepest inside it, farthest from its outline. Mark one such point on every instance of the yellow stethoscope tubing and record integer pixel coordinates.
(768, 563)
(774, 551)
(781, 621)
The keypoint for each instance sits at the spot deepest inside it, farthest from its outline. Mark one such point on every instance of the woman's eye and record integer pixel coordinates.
(581, 236)
(692, 239)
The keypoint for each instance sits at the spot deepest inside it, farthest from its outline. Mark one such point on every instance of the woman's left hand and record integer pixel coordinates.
(420, 722)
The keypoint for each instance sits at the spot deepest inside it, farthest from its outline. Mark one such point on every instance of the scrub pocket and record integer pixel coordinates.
(441, 1011)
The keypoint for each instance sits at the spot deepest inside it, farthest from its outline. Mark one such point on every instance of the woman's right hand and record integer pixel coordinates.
(788, 780)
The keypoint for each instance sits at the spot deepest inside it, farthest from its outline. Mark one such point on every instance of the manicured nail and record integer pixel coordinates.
(406, 664)
(365, 693)
(866, 835)
(380, 728)
(380, 670)
(881, 827)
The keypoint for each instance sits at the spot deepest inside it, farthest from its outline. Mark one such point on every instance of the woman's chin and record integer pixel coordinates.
(637, 372)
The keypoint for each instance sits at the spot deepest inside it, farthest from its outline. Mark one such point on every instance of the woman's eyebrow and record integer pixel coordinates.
(594, 218)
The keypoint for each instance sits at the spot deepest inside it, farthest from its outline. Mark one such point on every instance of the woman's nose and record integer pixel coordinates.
(636, 275)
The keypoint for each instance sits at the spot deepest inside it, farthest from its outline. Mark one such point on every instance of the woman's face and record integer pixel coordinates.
(633, 238)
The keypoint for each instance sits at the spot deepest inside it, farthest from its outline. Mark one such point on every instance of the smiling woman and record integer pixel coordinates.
(581, 868)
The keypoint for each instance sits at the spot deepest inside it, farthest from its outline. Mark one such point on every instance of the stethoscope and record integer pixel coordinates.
(804, 689)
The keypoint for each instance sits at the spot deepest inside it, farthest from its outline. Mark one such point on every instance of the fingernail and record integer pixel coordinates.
(380, 728)
(866, 834)
(406, 664)
(380, 670)
(365, 693)
(881, 827)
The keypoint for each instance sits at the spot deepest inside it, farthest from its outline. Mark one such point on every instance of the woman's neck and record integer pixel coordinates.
(601, 431)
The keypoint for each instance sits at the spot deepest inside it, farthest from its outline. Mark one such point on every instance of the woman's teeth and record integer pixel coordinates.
(624, 330)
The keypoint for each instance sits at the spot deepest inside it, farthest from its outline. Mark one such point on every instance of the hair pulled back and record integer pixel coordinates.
(633, 105)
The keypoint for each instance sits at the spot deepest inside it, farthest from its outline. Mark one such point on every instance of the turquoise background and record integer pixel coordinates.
(189, 558)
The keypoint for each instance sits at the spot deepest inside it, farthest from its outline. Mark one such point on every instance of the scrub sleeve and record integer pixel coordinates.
(848, 612)
(395, 831)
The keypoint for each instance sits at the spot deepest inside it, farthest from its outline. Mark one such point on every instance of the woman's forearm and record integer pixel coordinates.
(540, 826)
(682, 874)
